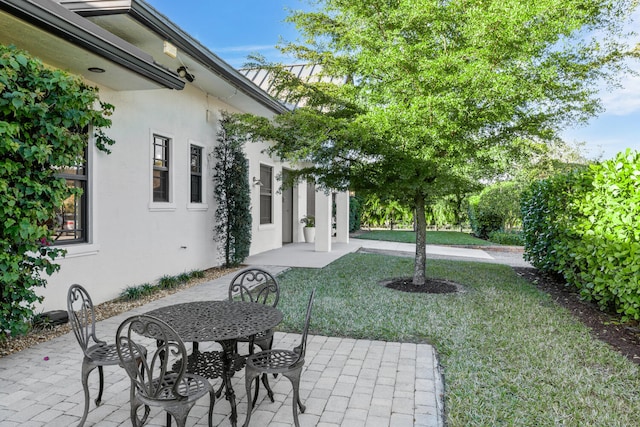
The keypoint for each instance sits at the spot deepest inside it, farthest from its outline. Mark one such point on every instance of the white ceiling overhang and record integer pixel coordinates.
(65, 40)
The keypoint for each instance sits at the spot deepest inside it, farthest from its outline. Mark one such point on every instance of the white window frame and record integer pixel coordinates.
(90, 246)
(170, 205)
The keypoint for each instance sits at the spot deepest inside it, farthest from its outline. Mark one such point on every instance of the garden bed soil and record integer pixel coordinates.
(623, 337)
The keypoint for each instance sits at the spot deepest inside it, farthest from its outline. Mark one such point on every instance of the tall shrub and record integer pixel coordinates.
(232, 192)
(583, 225)
(355, 213)
(496, 208)
(44, 117)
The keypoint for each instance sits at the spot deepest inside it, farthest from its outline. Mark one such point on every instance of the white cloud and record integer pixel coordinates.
(625, 100)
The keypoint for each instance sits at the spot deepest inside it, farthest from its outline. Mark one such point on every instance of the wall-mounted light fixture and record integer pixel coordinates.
(96, 69)
(256, 181)
(185, 74)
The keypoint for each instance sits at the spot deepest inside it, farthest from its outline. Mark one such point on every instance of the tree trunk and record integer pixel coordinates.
(419, 271)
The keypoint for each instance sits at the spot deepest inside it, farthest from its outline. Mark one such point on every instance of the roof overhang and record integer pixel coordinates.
(142, 25)
(64, 39)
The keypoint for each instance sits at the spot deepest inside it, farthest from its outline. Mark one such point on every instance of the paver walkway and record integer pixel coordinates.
(346, 382)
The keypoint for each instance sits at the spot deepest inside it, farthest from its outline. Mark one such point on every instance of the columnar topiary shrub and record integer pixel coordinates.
(232, 192)
(583, 226)
(44, 118)
(355, 213)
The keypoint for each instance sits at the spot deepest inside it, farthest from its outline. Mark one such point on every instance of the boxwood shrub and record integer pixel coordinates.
(583, 225)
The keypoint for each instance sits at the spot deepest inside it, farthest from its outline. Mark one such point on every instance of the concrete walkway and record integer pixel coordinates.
(346, 382)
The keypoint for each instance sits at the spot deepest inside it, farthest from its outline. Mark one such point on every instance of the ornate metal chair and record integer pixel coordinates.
(259, 286)
(289, 363)
(97, 353)
(162, 379)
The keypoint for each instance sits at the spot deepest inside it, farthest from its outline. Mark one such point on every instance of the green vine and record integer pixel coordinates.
(44, 117)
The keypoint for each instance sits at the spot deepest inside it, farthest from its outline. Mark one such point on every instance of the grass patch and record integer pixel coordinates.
(433, 237)
(511, 356)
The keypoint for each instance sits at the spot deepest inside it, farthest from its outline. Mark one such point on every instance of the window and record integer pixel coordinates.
(266, 195)
(71, 217)
(160, 169)
(196, 174)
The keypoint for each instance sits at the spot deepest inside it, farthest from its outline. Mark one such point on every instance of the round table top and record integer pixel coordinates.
(218, 320)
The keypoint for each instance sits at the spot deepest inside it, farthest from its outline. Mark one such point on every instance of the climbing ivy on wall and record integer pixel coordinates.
(44, 117)
(232, 192)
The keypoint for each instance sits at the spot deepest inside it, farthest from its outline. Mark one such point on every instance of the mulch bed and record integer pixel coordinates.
(625, 338)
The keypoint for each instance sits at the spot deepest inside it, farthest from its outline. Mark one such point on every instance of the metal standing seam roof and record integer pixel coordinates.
(305, 72)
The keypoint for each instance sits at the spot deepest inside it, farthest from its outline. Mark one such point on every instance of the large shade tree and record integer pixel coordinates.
(417, 93)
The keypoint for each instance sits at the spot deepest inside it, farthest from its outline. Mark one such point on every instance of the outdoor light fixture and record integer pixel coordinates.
(184, 73)
(256, 181)
(96, 69)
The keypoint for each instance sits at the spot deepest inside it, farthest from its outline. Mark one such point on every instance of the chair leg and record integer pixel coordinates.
(250, 375)
(255, 393)
(294, 377)
(86, 370)
(265, 381)
(101, 375)
(212, 399)
(135, 404)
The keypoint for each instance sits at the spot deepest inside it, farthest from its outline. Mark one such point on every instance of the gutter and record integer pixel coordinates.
(161, 25)
(57, 20)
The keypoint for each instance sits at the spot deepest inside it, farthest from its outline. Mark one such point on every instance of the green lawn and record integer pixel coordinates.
(511, 357)
(433, 237)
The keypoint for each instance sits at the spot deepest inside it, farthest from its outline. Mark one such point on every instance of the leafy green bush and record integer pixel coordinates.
(496, 208)
(583, 226)
(44, 117)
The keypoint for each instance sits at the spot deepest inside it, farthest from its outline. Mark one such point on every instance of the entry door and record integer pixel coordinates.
(287, 211)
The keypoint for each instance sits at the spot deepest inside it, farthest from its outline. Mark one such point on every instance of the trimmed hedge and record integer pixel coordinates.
(584, 226)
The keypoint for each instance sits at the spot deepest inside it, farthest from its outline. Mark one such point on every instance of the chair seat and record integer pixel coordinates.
(209, 364)
(107, 354)
(274, 361)
(191, 387)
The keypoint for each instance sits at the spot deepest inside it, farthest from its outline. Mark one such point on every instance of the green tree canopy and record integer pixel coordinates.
(415, 93)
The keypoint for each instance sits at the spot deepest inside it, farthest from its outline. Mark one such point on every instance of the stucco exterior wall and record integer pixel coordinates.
(132, 239)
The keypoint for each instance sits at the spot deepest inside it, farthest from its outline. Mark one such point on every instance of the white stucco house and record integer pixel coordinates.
(148, 207)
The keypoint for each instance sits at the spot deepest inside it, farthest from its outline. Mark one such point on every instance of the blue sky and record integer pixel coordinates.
(234, 29)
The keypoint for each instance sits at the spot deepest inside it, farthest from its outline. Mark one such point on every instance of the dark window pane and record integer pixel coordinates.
(266, 195)
(196, 189)
(160, 169)
(70, 223)
(196, 174)
(160, 186)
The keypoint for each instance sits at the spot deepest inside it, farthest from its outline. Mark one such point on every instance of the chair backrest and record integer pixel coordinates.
(255, 285)
(302, 348)
(163, 367)
(82, 316)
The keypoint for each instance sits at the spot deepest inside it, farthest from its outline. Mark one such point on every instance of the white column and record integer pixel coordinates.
(342, 217)
(323, 221)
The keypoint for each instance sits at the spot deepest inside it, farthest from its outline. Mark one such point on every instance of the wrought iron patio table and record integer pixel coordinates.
(221, 321)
